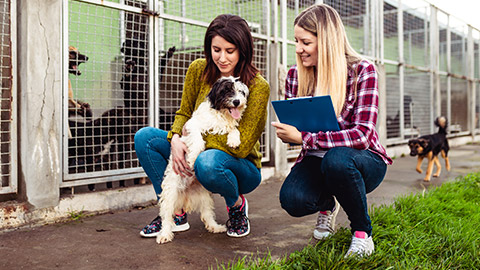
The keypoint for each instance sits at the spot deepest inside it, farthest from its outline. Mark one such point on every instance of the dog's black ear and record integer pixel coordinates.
(217, 95)
(423, 142)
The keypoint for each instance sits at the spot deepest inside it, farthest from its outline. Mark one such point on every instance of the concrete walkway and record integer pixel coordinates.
(112, 241)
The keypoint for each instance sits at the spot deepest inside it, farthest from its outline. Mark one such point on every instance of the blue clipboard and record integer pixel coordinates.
(311, 114)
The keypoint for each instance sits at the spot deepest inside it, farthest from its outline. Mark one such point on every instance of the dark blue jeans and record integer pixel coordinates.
(346, 173)
(216, 170)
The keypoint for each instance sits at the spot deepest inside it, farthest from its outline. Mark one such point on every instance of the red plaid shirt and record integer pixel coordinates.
(357, 120)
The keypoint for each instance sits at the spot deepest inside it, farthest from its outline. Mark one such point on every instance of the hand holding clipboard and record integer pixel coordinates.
(311, 114)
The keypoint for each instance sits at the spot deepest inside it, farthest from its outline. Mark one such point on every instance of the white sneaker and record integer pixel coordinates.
(326, 223)
(362, 245)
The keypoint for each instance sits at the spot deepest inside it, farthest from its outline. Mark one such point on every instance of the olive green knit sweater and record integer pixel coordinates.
(251, 125)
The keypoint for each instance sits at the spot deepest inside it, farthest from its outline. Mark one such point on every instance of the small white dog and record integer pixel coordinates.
(220, 113)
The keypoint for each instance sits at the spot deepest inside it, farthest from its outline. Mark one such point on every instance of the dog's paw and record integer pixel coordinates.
(163, 238)
(426, 179)
(233, 139)
(419, 170)
(436, 175)
(233, 144)
(216, 228)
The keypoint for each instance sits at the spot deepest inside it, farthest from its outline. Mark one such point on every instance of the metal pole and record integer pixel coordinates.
(284, 31)
(449, 70)
(401, 69)
(471, 82)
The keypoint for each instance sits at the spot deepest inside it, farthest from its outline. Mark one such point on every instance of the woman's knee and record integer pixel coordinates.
(141, 139)
(292, 201)
(207, 166)
(337, 160)
(143, 135)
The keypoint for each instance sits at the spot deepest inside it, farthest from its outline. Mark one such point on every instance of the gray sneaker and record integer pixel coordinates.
(326, 223)
(362, 245)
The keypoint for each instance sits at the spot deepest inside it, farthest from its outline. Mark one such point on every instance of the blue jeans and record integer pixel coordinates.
(216, 170)
(346, 173)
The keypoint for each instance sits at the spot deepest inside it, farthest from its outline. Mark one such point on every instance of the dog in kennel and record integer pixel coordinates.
(76, 107)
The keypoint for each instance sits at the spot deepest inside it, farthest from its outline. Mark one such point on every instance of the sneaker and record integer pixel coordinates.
(238, 224)
(362, 245)
(153, 229)
(326, 222)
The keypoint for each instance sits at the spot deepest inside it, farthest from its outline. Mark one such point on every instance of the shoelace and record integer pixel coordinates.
(237, 218)
(358, 245)
(324, 221)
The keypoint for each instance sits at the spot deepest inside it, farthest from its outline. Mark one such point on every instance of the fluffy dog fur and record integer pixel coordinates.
(429, 146)
(220, 113)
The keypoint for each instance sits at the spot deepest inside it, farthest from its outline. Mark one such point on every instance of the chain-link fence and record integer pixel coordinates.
(127, 60)
(135, 57)
(139, 51)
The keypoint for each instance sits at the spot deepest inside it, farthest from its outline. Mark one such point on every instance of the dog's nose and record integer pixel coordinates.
(236, 102)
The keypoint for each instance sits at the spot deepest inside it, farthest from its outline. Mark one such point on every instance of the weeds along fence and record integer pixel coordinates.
(139, 51)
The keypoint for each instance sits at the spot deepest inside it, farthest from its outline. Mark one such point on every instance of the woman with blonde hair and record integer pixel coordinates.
(334, 168)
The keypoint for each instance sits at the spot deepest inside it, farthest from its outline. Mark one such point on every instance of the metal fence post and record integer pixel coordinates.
(434, 67)
(278, 149)
(401, 68)
(471, 81)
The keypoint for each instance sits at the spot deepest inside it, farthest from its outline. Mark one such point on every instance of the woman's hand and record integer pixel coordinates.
(288, 133)
(178, 150)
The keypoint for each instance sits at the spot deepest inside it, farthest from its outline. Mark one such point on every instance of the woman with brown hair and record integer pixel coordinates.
(230, 172)
(336, 168)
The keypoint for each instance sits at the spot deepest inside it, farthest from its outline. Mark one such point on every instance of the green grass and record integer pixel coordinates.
(76, 215)
(435, 230)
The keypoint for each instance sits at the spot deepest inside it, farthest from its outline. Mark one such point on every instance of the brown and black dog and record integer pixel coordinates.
(75, 58)
(429, 146)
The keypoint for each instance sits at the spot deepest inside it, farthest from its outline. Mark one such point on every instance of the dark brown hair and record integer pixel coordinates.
(235, 30)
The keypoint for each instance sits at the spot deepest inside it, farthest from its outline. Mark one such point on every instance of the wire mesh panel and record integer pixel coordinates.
(458, 40)
(459, 118)
(109, 87)
(391, 52)
(390, 32)
(181, 43)
(356, 18)
(416, 47)
(393, 104)
(444, 96)
(444, 32)
(8, 181)
(417, 100)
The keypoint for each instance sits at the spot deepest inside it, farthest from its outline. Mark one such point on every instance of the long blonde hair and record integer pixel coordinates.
(335, 55)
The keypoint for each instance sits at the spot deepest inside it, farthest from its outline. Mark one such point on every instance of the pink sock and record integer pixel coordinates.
(360, 234)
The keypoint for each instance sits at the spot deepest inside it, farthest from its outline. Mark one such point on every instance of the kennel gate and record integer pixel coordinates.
(8, 97)
(137, 59)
